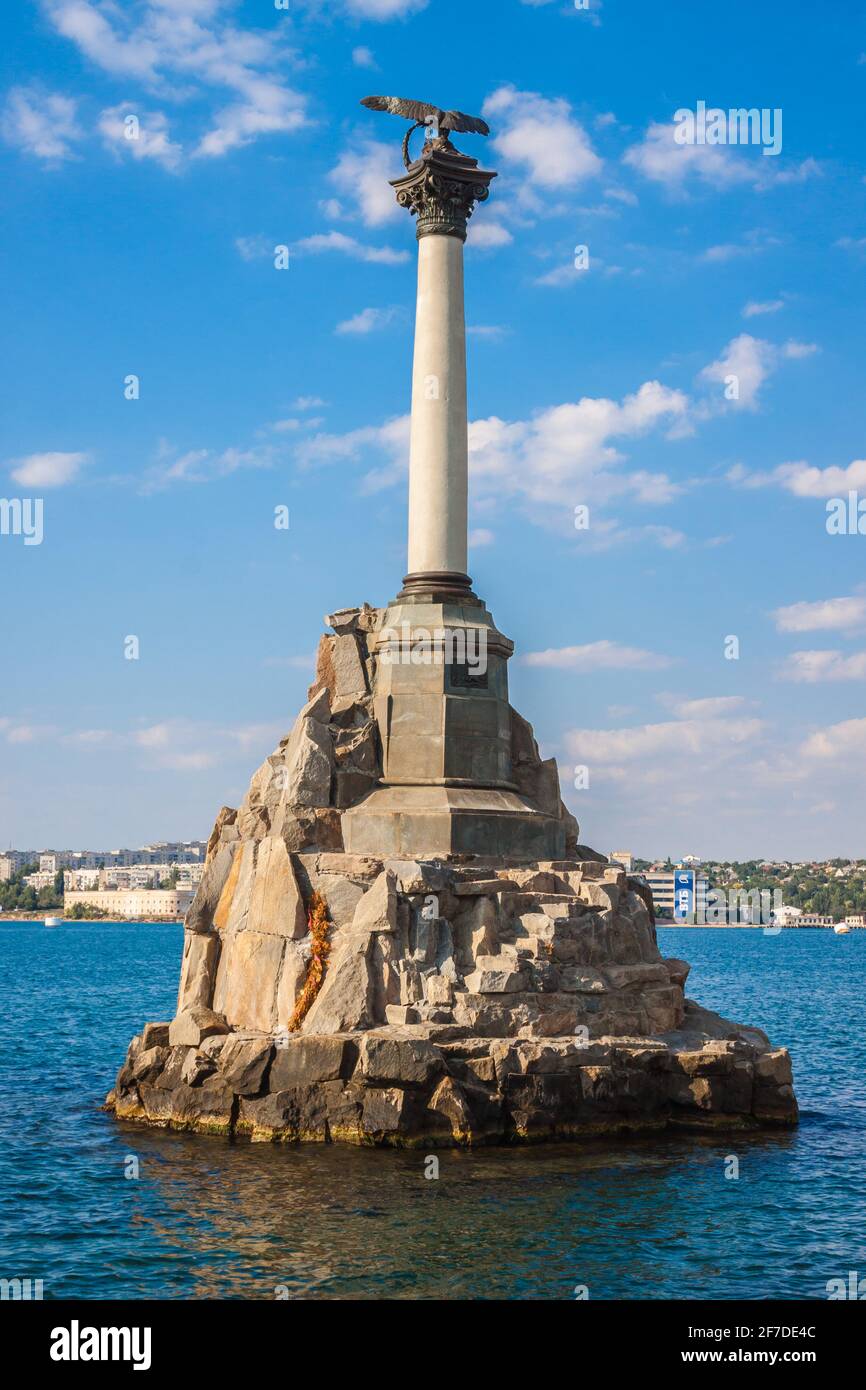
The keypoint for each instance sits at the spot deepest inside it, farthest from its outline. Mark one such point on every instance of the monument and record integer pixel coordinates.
(448, 783)
(397, 938)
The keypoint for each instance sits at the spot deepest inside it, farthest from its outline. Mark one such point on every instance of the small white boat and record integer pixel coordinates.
(841, 929)
(53, 921)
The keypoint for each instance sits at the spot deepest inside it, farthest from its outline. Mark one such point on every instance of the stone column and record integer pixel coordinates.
(438, 454)
(440, 190)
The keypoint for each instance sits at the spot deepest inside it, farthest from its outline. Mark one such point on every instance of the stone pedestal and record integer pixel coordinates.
(447, 729)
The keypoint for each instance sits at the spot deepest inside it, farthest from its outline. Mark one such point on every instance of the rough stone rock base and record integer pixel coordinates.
(480, 994)
(435, 1085)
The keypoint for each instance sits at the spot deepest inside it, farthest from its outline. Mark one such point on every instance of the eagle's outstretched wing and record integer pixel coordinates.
(420, 111)
(401, 106)
(456, 120)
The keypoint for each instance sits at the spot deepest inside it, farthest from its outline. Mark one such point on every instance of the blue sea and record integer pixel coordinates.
(205, 1217)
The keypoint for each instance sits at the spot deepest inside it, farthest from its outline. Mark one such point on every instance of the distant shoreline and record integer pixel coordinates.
(737, 926)
(19, 916)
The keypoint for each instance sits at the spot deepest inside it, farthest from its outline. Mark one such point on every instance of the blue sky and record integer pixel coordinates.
(604, 388)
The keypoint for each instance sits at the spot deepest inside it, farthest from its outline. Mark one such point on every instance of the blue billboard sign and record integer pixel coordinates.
(684, 894)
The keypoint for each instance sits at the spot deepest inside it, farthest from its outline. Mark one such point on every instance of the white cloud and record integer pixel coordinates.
(15, 733)
(621, 195)
(368, 321)
(384, 9)
(812, 667)
(567, 274)
(748, 359)
(838, 742)
(487, 234)
(185, 745)
(40, 123)
(47, 470)
(133, 55)
(273, 111)
(825, 615)
(155, 736)
(480, 537)
(797, 350)
(349, 246)
(708, 707)
(204, 465)
(751, 361)
(563, 455)
(254, 248)
(698, 737)
(804, 480)
(766, 306)
(186, 48)
(362, 175)
(363, 57)
(542, 137)
(658, 157)
(390, 440)
(567, 451)
(149, 139)
(725, 251)
(594, 656)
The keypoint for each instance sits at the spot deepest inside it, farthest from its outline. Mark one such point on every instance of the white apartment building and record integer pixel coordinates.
(40, 880)
(160, 853)
(76, 880)
(129, 879)
(12, 861)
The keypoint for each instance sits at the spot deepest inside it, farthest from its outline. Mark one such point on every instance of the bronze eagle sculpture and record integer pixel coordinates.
(422, 113)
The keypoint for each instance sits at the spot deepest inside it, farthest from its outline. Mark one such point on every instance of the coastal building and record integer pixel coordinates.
(142, 905)
(857, 919)
(665, 884)
(796, 917)
(624, 857)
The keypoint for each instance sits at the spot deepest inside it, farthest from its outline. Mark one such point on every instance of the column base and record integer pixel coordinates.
(437, 586)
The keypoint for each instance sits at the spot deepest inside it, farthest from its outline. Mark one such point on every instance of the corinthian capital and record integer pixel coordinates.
(441, 190)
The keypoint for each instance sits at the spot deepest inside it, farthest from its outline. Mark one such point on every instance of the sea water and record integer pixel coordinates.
(98, 1209)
